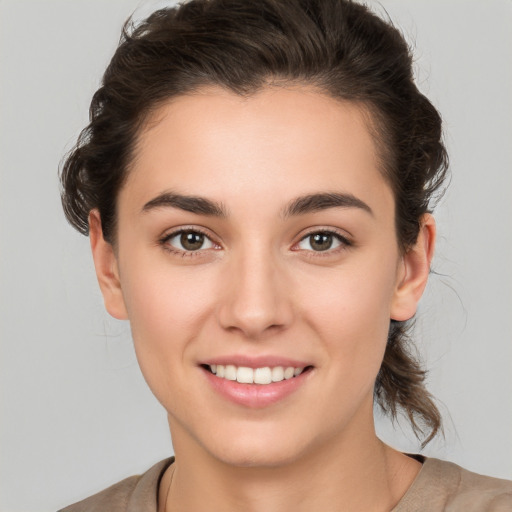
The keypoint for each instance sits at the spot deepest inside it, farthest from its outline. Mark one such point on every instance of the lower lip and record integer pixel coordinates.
(256, 396)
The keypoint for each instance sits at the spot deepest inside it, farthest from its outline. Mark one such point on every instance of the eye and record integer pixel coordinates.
(322, 241)
(188, 241)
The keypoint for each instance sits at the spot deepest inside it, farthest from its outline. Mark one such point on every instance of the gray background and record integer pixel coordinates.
(75, 412)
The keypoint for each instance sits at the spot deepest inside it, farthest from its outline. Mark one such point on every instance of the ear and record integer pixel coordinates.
(413, 272)
(107, 270)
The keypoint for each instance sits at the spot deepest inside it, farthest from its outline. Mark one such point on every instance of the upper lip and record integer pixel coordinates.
(256, 361)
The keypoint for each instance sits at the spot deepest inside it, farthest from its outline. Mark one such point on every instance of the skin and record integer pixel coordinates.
(259, 288)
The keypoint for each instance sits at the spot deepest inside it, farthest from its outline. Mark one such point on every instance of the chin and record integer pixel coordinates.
(258, 449)
(246, 457)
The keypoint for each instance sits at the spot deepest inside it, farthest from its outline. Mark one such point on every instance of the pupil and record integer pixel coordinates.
(192, 241)
(321, 241)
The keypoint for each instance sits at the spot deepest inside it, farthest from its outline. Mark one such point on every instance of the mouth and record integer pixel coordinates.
(260, 376)
(256, 382)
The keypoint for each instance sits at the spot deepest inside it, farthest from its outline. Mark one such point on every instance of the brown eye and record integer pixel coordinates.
(322, 241)
(189, 241)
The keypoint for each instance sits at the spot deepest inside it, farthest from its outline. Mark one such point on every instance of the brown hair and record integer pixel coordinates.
(338, 46)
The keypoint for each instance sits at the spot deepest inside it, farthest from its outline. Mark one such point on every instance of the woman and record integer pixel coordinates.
(257, 182)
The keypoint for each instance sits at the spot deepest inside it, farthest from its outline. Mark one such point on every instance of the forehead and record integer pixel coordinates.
(284, 141)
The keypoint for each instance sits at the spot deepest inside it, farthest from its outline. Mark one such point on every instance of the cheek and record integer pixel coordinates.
(350, 309)
(160, 296)
(167, 309)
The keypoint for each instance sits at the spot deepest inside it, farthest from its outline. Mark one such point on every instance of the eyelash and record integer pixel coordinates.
(345, 243)
(164, 242)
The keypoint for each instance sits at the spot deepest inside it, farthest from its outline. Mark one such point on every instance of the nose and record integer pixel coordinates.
(256, 298)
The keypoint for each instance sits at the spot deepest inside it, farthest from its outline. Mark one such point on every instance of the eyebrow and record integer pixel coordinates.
(193, 204)
(299, 206)
(323, 201)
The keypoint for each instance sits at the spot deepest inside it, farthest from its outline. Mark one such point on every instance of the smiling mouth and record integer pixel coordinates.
(261, 376)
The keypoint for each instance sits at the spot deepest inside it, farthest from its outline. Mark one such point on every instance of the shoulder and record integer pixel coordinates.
(471, 491)
(137, 492)
(444, 486)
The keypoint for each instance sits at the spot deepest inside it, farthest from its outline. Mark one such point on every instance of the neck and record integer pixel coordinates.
(352, 473)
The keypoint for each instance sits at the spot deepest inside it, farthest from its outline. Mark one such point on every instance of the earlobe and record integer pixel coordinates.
(414, 271)
(107, 271)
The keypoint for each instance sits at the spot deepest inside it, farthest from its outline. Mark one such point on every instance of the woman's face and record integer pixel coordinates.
(258, 235)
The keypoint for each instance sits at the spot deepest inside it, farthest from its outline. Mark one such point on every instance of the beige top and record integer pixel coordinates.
(439, 486)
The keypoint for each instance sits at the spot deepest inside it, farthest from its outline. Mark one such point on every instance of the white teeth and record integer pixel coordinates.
(288, 373)
(230, 372)
(263, 375)
(245, 375)
(277, 374)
